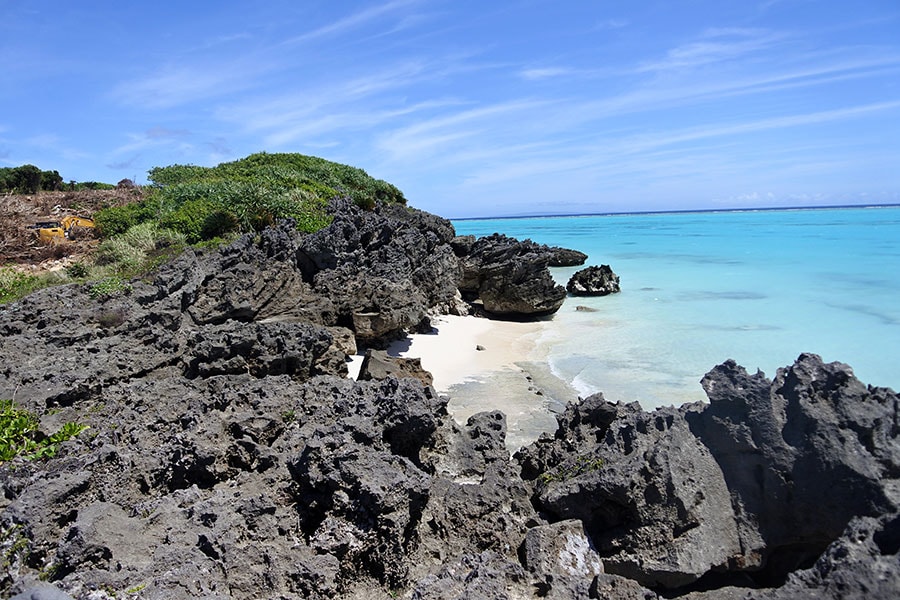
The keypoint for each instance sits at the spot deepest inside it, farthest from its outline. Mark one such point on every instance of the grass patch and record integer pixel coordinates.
(206, 203)
(14, 284)
(110, 286)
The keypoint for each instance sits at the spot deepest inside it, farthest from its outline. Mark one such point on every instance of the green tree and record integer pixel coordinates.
(51, 181)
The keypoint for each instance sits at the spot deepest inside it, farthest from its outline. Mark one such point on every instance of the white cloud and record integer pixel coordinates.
(352, 21)
(177, 85)
(544, 73)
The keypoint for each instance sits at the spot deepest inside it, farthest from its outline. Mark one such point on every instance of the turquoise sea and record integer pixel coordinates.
(757, 286)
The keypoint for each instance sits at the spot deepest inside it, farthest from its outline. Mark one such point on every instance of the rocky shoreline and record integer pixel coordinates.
(229, 456)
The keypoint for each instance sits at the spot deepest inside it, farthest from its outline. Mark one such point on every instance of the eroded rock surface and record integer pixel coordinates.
(745, 490)
(594, 281)
(228, 455)
(510, 277)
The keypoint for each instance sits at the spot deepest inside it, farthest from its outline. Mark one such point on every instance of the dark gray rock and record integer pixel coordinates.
(462, 244)
(802, 455)
(510, 278)
(759, 482)
(382, 269)
(485, 576)
(863, 563)
(226, 455)
(565, 257)
(594, 281)
(377, 364)
(651, 496)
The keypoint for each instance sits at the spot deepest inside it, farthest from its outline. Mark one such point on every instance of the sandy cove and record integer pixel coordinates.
(484, 365)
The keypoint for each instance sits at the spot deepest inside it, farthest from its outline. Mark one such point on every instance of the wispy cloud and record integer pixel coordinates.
(352, 22)
(642, 143)
(544, 73)
(153, 138)
(124, 164)
(177, 85)
(716, 46)
(426, 137)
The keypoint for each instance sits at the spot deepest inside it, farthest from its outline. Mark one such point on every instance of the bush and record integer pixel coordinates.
(136, 250)
(20, 434)
(108, 287)
(175, 174)
(92, 185)
(14, 284)
(116, 220)
(77, 270)
(263, 187)
(204, 203)
(199, 218)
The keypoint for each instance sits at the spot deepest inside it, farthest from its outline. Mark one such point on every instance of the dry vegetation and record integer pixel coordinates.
(19, 246)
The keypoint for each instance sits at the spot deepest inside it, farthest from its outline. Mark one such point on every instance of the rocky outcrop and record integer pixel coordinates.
(593, 281)
(378, 365)
(383, 270)
(227, 454)
(510, 278)
(749, 488)
(566, 257)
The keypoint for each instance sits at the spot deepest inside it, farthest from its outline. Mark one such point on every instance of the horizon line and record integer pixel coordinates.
(680, 211)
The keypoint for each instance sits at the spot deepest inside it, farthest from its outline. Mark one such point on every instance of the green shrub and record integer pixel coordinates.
(175, 174)
(92, 185)
(131, 252)
(208, 203)
(107, 287)
(190, 218)
(261, 188)
(116, 220)
(20, 434)
(77, 270)
(14, 284)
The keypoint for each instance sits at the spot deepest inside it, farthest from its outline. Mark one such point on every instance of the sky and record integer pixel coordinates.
(473, 109)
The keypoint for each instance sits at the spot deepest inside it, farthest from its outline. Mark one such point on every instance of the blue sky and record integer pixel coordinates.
(473, 108)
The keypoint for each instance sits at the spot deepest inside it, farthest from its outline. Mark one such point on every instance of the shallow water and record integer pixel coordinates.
(698, 288)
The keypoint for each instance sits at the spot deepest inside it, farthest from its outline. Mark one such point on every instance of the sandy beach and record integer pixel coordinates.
(484, 365)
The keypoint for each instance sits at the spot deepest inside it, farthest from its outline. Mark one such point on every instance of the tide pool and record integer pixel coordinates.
(759, 287)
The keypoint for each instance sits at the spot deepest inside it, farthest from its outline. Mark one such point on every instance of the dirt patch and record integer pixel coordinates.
(20, 246)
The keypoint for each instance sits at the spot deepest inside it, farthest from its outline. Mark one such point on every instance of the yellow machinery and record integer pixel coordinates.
(67, 227)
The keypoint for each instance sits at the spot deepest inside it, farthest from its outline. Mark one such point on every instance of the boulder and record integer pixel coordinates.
(377, 365)
(751, 487)
(383, 269)
(566, 257)
(651, 496)
(593, 281)
(562, 559)
(510, 278)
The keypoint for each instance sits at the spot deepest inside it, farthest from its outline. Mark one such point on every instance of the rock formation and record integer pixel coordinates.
(593, 281)
(228, 455)
(509, 277)
(566, 257)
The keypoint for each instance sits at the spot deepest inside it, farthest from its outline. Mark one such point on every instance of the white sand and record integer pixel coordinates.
(501, 376)
(508, 374)
(451, 353)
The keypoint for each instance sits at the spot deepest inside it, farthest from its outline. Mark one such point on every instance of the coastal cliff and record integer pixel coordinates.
(228, 455)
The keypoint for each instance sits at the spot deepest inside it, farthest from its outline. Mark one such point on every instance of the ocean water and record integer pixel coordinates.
(759, 287)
